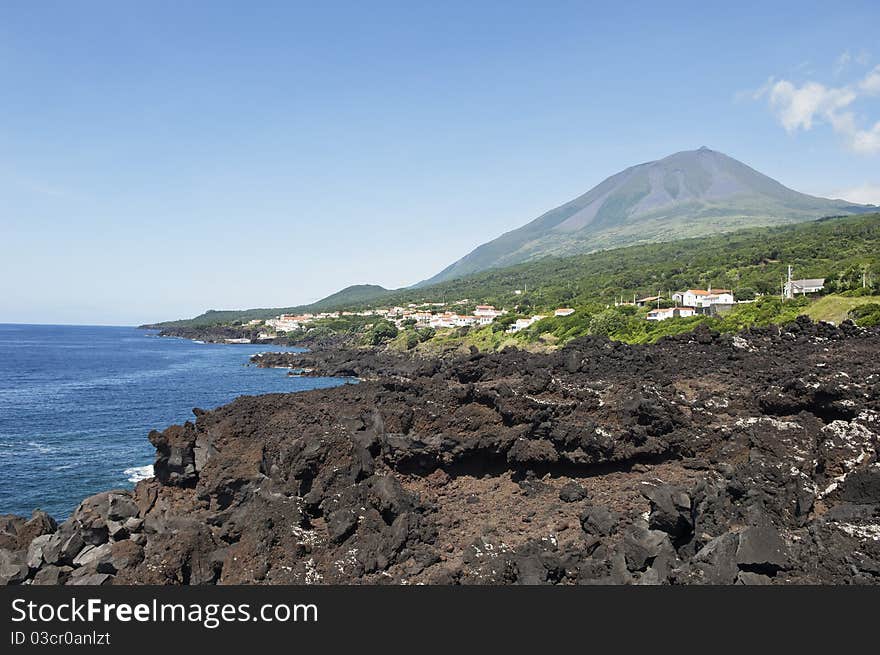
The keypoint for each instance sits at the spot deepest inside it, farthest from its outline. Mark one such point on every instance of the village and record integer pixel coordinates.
(440, 315)
(435, 315)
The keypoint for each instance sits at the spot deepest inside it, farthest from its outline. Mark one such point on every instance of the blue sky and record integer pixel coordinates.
(161, 158)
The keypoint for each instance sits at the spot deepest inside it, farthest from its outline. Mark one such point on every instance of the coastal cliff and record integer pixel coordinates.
(705, 458)
(212, 334)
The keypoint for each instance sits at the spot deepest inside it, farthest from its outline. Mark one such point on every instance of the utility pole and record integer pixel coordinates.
(790, 290)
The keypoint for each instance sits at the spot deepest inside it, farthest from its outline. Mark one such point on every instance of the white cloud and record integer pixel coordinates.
(871, 84)
(797, 107)
(802, 107)
(866, 141)
(866, 194)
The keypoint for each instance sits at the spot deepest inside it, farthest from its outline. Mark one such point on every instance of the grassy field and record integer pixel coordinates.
(834, 309)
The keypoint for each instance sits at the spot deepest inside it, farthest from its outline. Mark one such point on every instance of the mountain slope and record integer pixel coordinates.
(687, 194)
(353, 295)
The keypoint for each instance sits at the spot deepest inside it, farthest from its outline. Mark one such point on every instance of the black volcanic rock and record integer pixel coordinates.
(597, 463)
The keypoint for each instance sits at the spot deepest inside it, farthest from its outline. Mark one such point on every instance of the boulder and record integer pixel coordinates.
(51, 575)
(862, 487)
(599, 521)
(387, 496)
(35, 550)
(97, 558)
(52, 548)
(175, 455)
(572, 492)
(13, 573)
(761, 550)
(133, 525)
(10, 525)
(642, 546)
(16, 532)
(71, 547)
(607, 570)
(13, 568)
(94, 531)
(716, 561)
(39, 524)
(670, 511)
(116, 530)
(121, 507)
(341, 524)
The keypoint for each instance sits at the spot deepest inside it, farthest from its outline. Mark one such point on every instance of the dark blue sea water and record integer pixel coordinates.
(76, 404)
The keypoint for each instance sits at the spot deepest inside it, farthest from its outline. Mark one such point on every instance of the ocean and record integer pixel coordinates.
(77, 402)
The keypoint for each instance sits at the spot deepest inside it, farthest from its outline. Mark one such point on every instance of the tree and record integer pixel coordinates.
(501, 323)
(381, 332)
(411, 339)
(607, 322)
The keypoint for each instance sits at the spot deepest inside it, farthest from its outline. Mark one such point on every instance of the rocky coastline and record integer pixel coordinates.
(702, 459)
(214, 334)
(240, 334)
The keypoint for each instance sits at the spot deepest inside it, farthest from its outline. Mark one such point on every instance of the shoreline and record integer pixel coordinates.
(704, 458)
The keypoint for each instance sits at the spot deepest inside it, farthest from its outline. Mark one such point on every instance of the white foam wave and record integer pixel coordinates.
(138, 473)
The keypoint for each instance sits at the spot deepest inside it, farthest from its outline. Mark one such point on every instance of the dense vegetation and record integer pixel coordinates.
(867, 315)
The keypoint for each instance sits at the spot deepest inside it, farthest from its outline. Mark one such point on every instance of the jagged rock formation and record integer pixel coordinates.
(214, 333)
(706, 458)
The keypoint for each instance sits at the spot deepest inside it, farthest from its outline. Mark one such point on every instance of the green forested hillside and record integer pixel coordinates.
(749, 262)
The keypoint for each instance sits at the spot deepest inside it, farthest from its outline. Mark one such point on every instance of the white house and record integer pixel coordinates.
(486, 310)
(289, 322)
(444, 320)
(523, 323)
(703, 298)
(670, 312)
(450, 319)
(804, 287)
(649, 300)
(563, 311)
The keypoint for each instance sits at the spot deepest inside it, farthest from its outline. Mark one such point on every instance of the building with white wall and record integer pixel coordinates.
(670, 312)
